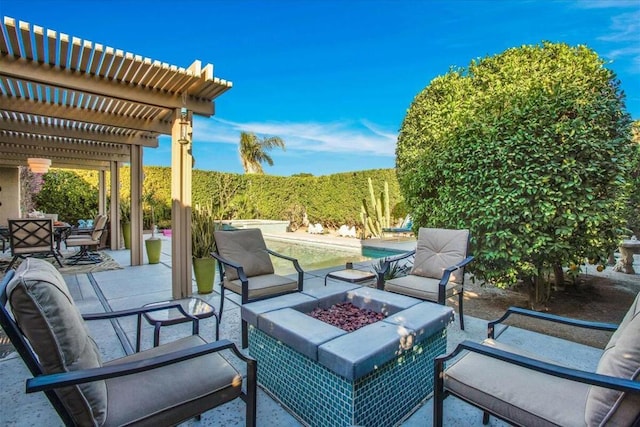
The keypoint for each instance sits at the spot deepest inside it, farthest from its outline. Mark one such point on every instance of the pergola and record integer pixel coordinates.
(85, 105)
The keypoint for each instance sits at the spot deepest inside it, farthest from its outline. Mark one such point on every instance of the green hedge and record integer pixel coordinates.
(331, 200)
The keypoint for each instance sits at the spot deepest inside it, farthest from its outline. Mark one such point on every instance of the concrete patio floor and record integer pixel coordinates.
(135, 286)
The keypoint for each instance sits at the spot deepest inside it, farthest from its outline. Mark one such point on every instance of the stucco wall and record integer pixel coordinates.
(9, 194)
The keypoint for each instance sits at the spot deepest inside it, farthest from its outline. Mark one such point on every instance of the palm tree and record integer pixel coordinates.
(253, 151)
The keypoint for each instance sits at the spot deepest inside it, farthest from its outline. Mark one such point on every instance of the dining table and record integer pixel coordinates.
(60, 232)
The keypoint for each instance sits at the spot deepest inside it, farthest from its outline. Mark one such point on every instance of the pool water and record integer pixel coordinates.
(316, 257)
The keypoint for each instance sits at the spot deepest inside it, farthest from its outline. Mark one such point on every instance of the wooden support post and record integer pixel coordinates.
(136, 205)
(114, 212)
(181, 164)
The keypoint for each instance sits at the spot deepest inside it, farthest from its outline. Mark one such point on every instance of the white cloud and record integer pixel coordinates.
(624, 27)
(337, 137)
(605, 4)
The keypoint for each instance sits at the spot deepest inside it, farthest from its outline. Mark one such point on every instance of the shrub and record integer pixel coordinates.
(67, 194)
(530, 150)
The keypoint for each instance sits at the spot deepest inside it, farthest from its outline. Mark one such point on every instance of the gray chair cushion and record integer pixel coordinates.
(418, 287)
(520, 395)
(166, 395)
(264, 286)
(621, 358)
(438, 249)
(245, 247)
(45, 312)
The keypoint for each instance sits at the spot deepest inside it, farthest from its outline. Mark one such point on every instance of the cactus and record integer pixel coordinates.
(377, 218)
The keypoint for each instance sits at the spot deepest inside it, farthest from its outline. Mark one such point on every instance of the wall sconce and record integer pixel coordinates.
(39, 165)
(184, 126)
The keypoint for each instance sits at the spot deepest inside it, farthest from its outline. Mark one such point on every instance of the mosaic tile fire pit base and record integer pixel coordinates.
(374, 376)
(322, 398)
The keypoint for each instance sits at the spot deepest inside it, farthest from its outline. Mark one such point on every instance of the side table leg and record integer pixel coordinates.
(156, 334)
(217, 327)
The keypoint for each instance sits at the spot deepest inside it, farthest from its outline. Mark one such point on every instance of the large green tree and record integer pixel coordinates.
(253, 151)
(69, 195)
(529, 149)
(633, 203)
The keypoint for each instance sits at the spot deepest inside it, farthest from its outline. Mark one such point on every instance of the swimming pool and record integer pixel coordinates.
(316, 257)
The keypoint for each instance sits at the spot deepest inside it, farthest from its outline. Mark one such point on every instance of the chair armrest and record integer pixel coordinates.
(239, 270)
(63, 379)
(226, 261)
(592, 378)
(386, 262)
(296, 265)
(241, 275)
(447, 272)
(549, 317)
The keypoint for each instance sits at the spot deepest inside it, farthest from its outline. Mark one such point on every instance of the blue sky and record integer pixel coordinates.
(332, 78)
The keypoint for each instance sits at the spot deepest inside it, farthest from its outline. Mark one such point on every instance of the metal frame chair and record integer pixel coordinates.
(444, 245)
(237, 273)
(533, 366)
(180, 409)
(86, 242)
(31, 236)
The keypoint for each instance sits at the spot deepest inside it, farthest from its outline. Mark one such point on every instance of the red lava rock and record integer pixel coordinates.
(346, 316)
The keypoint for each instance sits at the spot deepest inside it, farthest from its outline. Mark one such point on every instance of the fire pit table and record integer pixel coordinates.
(326, 376)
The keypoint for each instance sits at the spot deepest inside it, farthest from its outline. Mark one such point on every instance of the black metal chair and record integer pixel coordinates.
(31, 236)
(438, 266)
(246, 269)
(526, 389)
(164, 385)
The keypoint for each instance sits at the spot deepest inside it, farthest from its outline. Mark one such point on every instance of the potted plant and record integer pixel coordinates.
(203, 224)
(125, 222)
(153, 244)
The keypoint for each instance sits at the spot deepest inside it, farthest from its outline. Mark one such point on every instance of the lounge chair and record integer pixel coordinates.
(404, 228)
(165, 385)
(246, 269)
(438, 268)
(523, 388)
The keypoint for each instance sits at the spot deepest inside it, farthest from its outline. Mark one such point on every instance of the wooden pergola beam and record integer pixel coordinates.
(77, 133)
(84, 116)
(83, 82)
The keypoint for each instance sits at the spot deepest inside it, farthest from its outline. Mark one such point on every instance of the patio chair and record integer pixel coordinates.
(31, 236)
(523, 388)
(246, 269)
(87, 243)
(438, 268)
(164, 385)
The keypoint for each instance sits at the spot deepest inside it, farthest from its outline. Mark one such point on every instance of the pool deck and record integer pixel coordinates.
(135, 286)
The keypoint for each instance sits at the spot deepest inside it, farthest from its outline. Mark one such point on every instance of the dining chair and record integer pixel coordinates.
(86, 243)
(31, 236)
